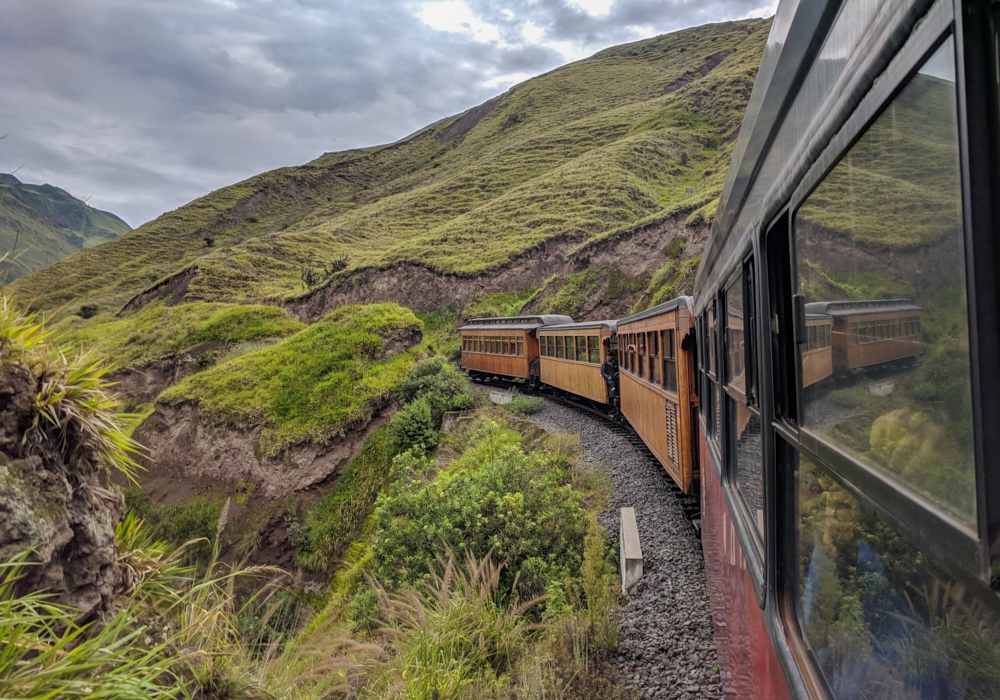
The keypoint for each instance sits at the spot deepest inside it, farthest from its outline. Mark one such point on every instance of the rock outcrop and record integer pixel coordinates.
(58, 511)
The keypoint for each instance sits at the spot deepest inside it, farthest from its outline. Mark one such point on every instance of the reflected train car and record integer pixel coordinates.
(506, 346)
(871, 333)
(571, 356)
(817, 354)
(656, 362)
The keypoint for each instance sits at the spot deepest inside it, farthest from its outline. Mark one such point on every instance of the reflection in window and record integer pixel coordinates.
(735, 350)
(881, 620)
(879, 245)
(745, 435)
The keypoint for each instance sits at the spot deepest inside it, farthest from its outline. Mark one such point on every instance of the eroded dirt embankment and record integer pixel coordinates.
(188, 455)
(422, 288)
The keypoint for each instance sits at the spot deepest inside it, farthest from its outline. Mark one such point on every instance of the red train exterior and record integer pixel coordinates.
(842, 344)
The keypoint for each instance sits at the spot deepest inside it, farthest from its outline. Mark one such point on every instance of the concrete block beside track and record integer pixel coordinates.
(631, 550)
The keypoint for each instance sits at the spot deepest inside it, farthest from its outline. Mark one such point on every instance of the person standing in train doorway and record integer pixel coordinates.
(609, 369)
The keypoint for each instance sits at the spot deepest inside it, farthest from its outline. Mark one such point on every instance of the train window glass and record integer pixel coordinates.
(669, 361)
(902, 406)
(559, 347)
(520, 347)
(642, 354)
(713, 339)
(881, 619)
(735, 344)
(594, 349)
(581, 348)
(653, 343)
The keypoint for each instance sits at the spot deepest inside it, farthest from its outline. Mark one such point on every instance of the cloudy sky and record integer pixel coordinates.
(143, 105)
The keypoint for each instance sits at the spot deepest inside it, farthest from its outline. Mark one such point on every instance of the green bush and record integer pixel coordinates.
(526, 405)
(492, 498)
(364, 610)
(413, 426)
(463, 402)
(434, 380)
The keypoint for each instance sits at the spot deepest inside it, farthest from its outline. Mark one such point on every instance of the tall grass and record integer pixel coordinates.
(73, 407)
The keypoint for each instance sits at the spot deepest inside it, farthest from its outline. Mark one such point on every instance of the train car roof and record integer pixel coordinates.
(770, 129)
(515, 322)
(858, 307)
(584, 325)
(665, 307)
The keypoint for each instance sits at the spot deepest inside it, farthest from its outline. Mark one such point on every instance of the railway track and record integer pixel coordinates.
(689, 503)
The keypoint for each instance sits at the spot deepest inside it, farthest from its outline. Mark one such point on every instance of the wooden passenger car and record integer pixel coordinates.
(871, 332)
(571, 357)
(817, 355)
(656, 358)
(505, 346)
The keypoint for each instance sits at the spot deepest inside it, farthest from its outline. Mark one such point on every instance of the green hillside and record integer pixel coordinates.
(629, 136)
(40, 224)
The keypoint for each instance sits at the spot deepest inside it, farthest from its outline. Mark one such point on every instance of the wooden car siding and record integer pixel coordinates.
(497, 363)
(646, 404)
(507, 365)
(580, 378)
(856, 355)
(817, 365)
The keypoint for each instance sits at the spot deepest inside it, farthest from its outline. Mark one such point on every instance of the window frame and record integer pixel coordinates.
(931, 530)
(753, 534)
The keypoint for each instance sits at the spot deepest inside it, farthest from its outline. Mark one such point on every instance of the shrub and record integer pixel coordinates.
(494, 498)
(526, 405)
(413, 426)
(87, 311)
(364, 610)
(463, 402)
(434, 380)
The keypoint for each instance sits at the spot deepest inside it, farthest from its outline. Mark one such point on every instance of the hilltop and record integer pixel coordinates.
(500, 198)
(40, 224)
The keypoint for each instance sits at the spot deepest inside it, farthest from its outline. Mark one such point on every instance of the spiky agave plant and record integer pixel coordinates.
(73, 406)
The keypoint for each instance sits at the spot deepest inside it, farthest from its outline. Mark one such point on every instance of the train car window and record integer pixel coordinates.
(880, 618)
(653, 344)
(715, 417)
(900, 405)
(520, 346)
(594, 349)
(559, 347)
(581, 348)
(640, 351)
(669, 360)
(543, 348)
(743, 424)
(735, 344)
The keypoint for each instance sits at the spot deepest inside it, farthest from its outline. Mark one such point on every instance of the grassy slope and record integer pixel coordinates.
(46, 224)
(585, 150)
(157, 330)
(310, 386)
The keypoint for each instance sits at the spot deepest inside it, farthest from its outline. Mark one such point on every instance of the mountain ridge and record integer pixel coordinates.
(44, 223)
(633, 135)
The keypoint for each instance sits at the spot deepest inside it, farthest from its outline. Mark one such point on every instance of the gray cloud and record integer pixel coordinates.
(144, 105)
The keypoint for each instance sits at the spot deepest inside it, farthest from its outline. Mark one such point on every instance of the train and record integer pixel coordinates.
(830, 391)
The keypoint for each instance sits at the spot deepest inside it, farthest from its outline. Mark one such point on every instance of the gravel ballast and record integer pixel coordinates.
(666, 649)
